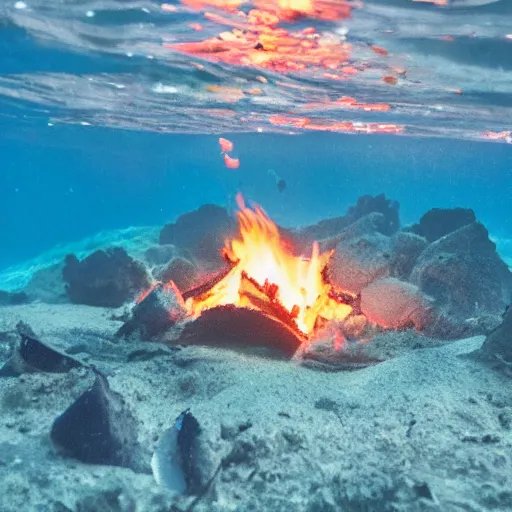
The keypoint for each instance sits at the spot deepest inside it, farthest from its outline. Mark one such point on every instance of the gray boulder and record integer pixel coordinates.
(464, 273)
(405, 250)
(106, 278)
(360, 260)
(394, 304)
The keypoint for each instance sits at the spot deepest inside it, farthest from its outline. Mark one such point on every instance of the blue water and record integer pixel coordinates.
(62, 184)
(81, 109)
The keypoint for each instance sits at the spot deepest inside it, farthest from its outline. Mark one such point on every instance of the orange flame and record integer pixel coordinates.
(295, 283)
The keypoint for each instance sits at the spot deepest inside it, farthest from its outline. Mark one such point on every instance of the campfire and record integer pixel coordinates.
(265, 275)
(277, 290)
(268, 296)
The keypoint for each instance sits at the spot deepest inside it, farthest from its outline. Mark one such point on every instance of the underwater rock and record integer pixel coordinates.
(498, 344)
(394, 304)
(175, 460)
(369, 204)
(98, 428)
(241, 328)
(367, 225)
(158, 311)
(180, 271)
(439, 222)
(31, 355)
(201, 232)
(464, 273)
(359, 261)
(350, 356)
(47, 285)
(13, 298)
(106, 278)
(160, 255)
(405, 251)
(365, 205)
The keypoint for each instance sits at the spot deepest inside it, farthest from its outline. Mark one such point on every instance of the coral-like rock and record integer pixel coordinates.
(464, 273)
(104, 278)
(395, 304)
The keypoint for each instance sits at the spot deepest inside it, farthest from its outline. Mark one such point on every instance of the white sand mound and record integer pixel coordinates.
(427, 431)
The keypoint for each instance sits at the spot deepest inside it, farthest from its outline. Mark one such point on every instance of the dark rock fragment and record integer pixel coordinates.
(32, 355)
(202, 232)
(98, 428)
(154, 314)
(464, 273)
(106, 278)
(439, 222)
(498, 344)
(175, 462)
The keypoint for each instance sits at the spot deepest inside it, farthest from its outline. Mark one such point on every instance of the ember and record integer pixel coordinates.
(266, 276)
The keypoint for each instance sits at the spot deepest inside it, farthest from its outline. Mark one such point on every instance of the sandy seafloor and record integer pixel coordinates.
(427, 431)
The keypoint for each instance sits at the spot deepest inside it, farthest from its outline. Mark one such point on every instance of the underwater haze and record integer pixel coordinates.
(255, 255)
(110, 112)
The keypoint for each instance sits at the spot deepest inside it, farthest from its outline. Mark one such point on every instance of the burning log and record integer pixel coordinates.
(230, 326)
